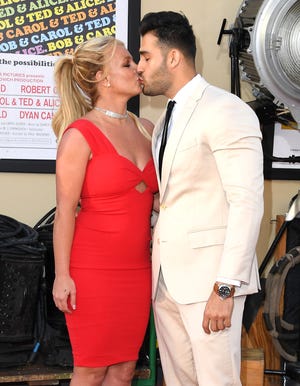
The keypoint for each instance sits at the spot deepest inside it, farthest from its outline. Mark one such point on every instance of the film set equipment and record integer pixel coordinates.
(265, 52)
(21, 292)
(264, 49)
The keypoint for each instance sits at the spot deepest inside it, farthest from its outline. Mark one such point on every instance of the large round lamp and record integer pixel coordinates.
(269, 54)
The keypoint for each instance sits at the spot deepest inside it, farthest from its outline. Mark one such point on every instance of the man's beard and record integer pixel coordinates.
(156, 88)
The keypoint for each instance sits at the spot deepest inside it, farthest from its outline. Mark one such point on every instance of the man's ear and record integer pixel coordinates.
(174, 57)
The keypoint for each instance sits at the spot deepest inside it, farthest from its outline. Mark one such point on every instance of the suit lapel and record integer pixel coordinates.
(178, 129)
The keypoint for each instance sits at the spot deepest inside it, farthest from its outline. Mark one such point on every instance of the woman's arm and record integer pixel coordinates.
(72, 157)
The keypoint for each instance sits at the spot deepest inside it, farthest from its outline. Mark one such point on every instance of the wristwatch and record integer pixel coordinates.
(224, 290)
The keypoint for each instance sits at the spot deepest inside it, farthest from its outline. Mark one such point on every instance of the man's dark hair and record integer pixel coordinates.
(172, 29)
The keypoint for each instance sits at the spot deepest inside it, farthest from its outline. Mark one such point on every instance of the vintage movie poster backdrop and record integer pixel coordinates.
(33, 34)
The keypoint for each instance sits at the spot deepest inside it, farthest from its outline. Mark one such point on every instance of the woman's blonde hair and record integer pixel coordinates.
(75, 79)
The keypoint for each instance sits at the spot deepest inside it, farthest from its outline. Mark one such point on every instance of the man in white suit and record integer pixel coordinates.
(211, 205)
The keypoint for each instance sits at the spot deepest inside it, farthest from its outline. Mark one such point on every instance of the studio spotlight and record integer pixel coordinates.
(269, 51)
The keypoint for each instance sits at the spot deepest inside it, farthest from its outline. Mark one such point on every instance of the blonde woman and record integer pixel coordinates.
(102, 258)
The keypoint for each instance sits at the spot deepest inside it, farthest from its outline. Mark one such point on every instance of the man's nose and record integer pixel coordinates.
(139, 68)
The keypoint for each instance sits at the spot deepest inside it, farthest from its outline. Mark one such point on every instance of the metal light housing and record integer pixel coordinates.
(270, 50)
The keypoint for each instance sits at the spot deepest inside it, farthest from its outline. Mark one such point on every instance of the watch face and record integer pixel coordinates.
(224, 291)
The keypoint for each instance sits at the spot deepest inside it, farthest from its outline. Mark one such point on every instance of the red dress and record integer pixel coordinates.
(110, 257)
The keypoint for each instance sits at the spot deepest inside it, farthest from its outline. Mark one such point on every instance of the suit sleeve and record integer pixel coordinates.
(235, 140)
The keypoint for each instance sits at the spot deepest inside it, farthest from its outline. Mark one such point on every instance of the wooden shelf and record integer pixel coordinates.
(39, 374)
(34, 373)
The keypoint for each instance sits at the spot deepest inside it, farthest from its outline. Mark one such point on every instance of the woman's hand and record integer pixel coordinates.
(64, 294)
(156, 202)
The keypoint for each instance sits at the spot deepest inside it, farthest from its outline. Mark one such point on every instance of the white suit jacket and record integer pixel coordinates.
(211, 197)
